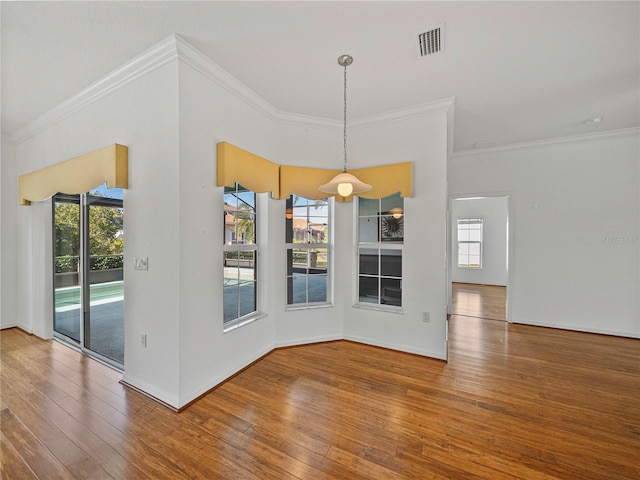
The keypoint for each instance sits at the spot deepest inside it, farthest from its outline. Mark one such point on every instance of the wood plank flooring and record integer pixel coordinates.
(513, 402)
(482, 301)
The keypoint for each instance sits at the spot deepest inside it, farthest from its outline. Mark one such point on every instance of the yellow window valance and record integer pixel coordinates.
(260, 175)
(304, 181)
(249, 170)
(77, 175)
(387, 180)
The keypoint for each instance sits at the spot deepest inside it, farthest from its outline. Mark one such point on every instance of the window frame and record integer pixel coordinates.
(234, 246)
(308, 245)
(470, 221)
(383, 244)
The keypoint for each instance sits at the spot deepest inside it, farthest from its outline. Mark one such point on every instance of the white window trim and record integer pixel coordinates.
(377, 306)
(242, 321)
(308, 246)
(479, 242)
(255, 247)
(374, 245)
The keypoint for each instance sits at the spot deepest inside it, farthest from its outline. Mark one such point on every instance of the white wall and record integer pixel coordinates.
(171, 114)
(577, 228)
(143, 115)
(8, 235)
(210, 114)
(423, 141)
(493, 211)
(305, 146)
(424, 268)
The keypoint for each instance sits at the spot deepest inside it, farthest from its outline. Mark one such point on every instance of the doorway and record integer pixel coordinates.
(480, 301)
(480, 248)
(88, 284)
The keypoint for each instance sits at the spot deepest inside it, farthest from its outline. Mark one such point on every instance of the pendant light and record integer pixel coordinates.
(344, 183)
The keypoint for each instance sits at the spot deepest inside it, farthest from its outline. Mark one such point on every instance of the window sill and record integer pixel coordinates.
(241, 322)
(308, 306)
(379, 308)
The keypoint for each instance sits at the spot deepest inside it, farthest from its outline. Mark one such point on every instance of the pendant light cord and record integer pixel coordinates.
(345, 118)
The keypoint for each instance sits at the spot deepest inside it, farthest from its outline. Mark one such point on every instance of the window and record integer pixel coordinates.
(470, 242)
(307, 239)
(240, 252)
(380, 239)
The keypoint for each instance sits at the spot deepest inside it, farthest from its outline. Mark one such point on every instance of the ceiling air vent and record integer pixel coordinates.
(431, 41)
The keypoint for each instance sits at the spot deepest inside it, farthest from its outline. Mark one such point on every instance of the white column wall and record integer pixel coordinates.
(209, 114)
(423, 141)
(8, 235)
(577, 229)
(143, 115)
(304, 146)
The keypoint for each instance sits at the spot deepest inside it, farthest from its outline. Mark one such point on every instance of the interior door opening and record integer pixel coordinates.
(88, 238)
(480, 301)
(479, 257)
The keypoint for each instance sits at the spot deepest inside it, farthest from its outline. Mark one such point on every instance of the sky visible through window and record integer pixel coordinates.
(103, 191)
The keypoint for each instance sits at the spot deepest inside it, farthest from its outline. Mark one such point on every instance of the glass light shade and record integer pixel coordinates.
(345, 189)
(345, 184)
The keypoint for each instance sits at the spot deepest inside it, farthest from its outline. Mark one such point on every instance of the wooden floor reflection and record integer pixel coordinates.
(513, 402)
(481, 301)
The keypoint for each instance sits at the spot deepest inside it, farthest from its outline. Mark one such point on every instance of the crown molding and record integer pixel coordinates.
(198, 61)
(211, 70)
(414, 111)
(549, 141)
(175, 48)
(445, 105)
(148, 61)
(308, 121)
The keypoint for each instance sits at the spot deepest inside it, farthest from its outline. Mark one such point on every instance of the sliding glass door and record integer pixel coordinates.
(66, 267)
(104, 321)
(88, 272)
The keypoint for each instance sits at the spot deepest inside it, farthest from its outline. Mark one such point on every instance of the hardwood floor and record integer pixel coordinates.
(482, 301)
(513, 402)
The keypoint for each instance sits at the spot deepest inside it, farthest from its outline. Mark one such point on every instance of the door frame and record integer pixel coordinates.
(83, 274)
(510, 246)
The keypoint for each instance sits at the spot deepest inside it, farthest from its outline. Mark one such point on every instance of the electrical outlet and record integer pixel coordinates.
(143, 340)
(426, 317)
(141, 263)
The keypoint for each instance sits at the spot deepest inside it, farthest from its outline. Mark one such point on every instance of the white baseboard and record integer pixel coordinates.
(582, 328)
(190, 397)
(184, 400)
(400, 348)
(309, 340)
(151, 391)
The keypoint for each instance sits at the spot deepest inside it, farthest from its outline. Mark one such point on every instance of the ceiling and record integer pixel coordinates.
(520, 71)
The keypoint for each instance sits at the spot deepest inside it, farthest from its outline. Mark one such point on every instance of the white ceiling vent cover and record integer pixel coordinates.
(431, 41)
